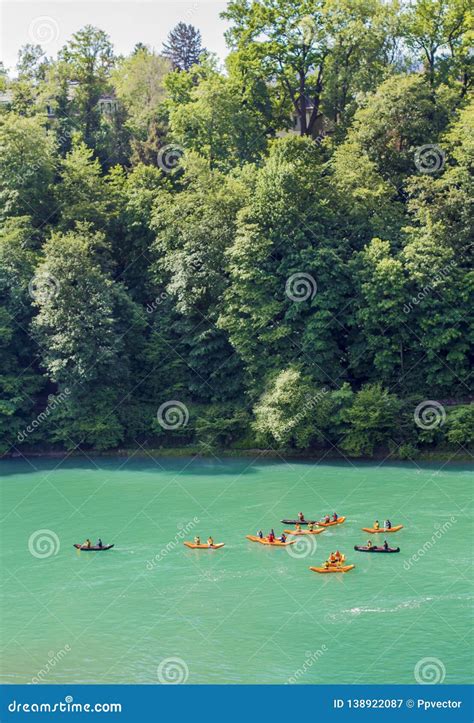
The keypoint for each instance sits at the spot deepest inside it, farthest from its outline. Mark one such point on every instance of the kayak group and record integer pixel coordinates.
(336, 562)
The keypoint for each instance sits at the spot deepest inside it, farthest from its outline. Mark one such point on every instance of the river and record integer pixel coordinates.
(151, 610)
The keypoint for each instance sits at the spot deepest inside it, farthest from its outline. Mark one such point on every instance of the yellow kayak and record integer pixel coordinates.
(193, 546)
(373, 531)
(333, 568)
(264, 541)
(303, 532)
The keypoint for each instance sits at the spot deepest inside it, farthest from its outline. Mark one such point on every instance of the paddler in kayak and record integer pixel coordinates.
(332, 558)
(387, 524)
(369, 544)
(327, 519)
(99, 543)
(376, 525)
(197, 540)
(271, 537)
(300, 517)
(87, 543)
(298, 527)
(310, 527)
(338, 556)
(260, 534)
(210, 541)
(385, 545)
(335, 517)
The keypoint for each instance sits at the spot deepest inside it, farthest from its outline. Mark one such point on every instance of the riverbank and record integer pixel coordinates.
(445, 456)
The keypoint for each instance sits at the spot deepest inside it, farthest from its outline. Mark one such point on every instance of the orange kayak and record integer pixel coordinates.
(382, 529)
(193, 546)
(343, 568)
(339, 521)
(303, 532)
(264, 541)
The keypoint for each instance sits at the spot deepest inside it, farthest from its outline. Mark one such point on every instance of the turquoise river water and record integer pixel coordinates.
(150, 609)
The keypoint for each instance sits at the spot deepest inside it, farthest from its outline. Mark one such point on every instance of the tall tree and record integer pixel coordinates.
(89, 59)
(300, 44)
(440, 33)
(183, 46)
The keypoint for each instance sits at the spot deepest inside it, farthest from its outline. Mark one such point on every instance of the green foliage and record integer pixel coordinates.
(218, 123)
(460, 425)
(27, 166)
(298, 280)
(371, 419)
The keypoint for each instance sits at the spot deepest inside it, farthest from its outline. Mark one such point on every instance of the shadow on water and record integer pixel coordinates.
(202, 466)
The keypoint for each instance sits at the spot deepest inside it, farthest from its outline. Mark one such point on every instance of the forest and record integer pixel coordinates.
(269, 253)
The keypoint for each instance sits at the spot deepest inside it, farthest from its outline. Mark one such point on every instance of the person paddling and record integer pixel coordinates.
(385, 545)
(197, 540)
(369, 544)
(260, 534)
(335, 517)
(387, 524)
(210, 541)
(376, 525)
(99, 543)
(300, 517)
(87, 543)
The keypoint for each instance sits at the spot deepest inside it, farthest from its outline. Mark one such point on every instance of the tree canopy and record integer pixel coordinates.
(279, 252)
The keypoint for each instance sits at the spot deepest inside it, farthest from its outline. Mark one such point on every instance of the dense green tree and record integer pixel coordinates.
(371, 419)
(194, 231)
(217, 123)
(27, 166)
(81, 195)
(139, 84)
(20, 379)
(89, 59)
(440, 34)
(289, 275)
(308, 47)
(88, 331)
